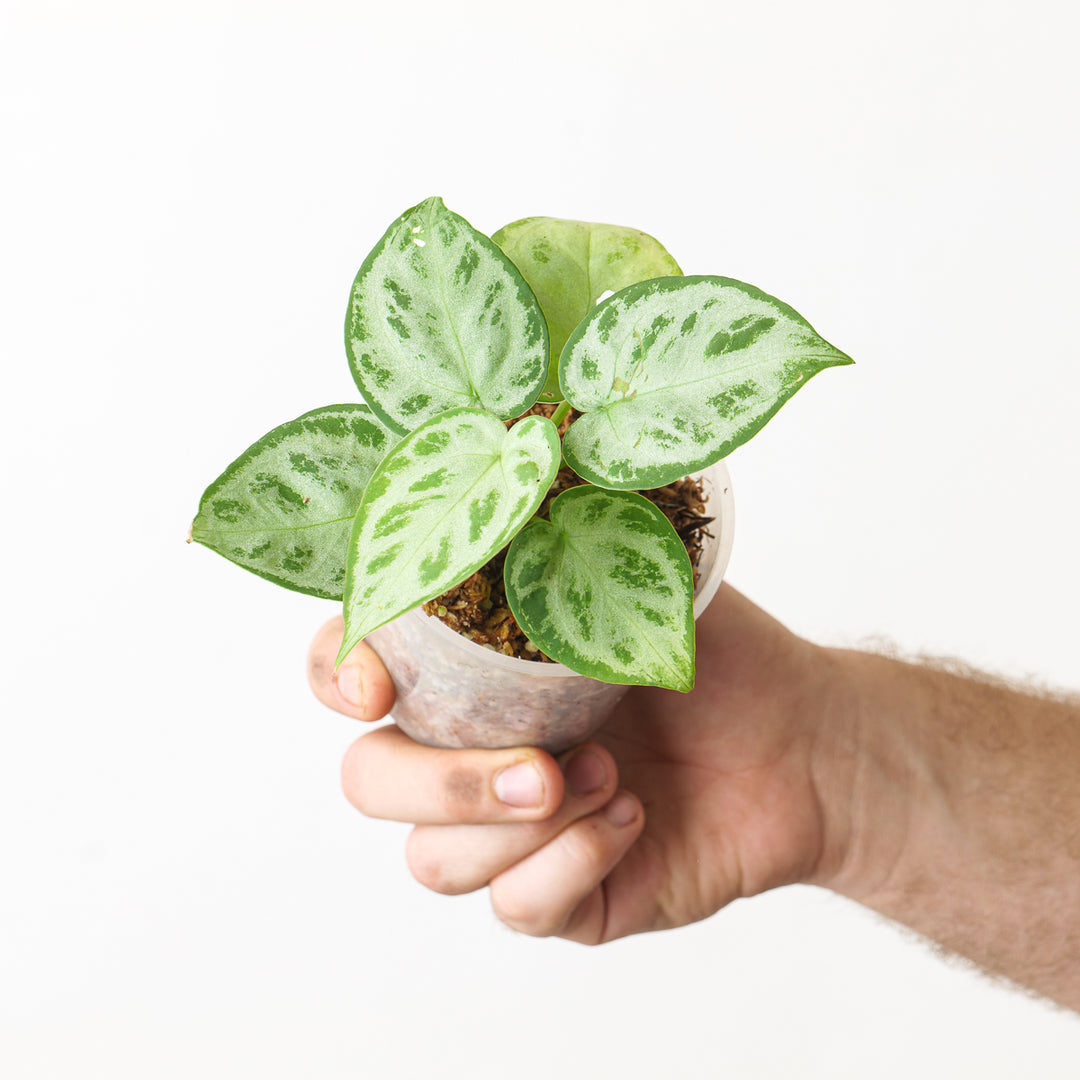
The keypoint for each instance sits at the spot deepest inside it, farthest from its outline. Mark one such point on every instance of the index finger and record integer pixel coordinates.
(387, 775)
(361, 687)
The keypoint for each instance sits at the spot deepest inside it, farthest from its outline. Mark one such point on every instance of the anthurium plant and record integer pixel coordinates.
(452, 337)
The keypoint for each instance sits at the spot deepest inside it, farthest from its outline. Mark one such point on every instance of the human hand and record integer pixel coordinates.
(945, 801)
(682, 803)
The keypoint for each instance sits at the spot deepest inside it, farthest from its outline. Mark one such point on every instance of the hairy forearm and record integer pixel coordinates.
(957, 813)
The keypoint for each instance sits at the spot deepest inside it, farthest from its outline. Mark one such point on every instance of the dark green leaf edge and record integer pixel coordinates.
(525, 294)
(261, 444)
(552, 437)
(600, 671)
(658, 477)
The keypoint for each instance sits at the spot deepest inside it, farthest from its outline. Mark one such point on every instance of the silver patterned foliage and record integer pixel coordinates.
(569, 265)
(444, 501)
(439, 318)
(673, 374)
(284, 508)
(606, 588)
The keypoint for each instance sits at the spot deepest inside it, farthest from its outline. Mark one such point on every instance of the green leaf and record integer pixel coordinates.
(283, 509)
(569, 265)
(606, 589)
(445, 500)
(440, 318)
(674, 374)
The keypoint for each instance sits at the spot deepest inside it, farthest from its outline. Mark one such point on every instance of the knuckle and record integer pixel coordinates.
(586, 925)
(583, 844)
(429, 867)
(518, 912)
(354, 777)
(462, 790)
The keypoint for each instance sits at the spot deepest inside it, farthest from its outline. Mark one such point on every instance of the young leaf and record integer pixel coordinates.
(440, 318)
(569, 265)
(283, 509)
(606, 589)
(447, 498)
(674, 374)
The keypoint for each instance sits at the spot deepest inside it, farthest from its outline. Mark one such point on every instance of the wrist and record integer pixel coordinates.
(870, 771)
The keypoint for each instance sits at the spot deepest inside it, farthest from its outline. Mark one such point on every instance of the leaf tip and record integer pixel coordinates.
(433, 204)
(674, 683)
(681, 680)
(347, 645)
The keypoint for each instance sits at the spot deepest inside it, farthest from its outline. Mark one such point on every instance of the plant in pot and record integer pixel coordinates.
(521, 394)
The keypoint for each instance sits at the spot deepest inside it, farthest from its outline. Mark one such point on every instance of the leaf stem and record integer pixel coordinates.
(561, 413)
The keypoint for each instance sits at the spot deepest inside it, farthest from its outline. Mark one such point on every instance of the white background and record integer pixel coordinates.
(187, 193)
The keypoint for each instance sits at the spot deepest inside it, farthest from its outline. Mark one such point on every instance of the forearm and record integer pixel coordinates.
(957, 813)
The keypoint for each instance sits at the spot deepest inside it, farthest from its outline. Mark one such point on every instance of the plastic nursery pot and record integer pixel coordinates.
(452, 692)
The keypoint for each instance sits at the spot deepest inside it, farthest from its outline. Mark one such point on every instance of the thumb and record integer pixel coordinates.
(360, 687)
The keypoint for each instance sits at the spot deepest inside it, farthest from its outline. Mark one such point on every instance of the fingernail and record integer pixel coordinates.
(585, 773)
(520, 785)
(621, 810)
(350, 686)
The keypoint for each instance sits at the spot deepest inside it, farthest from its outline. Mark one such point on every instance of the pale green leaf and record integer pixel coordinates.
(283, 509)
(606, 588)
(445, 500)
(674, 374)
(569, 265)
(440, 318)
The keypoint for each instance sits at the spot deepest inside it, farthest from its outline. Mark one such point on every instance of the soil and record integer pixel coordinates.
(477, 608)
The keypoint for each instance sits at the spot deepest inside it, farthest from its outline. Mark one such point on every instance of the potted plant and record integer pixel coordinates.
(521, 392)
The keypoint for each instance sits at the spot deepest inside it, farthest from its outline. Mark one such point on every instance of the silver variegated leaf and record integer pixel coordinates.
(440, 318)
(569, 265)
(606, 588)
(445, 500)
(674, 374)
(284, 508)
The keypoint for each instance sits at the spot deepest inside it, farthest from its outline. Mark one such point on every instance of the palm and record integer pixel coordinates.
(723, 774)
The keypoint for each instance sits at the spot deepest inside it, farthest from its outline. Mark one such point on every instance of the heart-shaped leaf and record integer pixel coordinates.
(440, 318)
(569, 265)
(446, 499)
(283, 509)
(606, 588)
(674, 374)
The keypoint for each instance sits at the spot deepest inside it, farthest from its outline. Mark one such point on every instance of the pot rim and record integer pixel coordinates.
(717, 554)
